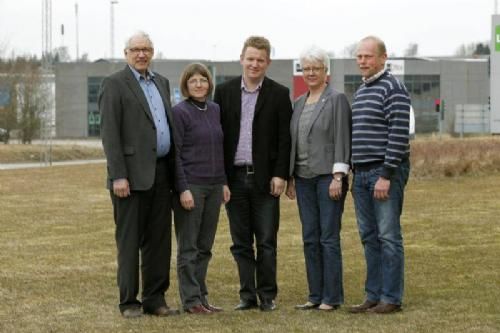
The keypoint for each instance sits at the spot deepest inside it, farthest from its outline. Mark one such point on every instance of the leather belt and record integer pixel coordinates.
(248, 169)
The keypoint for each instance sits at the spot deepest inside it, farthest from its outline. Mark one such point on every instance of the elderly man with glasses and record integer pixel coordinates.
(136, 129)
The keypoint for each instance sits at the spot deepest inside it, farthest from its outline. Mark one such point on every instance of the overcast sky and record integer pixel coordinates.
(216, 29)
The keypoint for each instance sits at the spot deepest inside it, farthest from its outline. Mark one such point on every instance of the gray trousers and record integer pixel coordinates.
(195, 232)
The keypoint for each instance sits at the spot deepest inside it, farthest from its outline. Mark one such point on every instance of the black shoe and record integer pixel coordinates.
(306, 306)
(246, 305)
(267, 305)
(163, 311)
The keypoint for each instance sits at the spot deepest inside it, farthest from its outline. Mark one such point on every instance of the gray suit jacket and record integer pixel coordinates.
(329, 132)
(128, 130)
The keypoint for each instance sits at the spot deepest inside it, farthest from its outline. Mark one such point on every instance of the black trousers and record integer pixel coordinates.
(144, 227)
(253, 215)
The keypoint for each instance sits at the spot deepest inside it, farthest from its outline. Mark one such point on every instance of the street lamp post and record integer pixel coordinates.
(112, 27)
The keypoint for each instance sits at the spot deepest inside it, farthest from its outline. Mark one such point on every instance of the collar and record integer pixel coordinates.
(138, 76)
(373, 77)
(244, 86)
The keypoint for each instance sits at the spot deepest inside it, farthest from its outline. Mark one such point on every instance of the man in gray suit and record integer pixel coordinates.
(137, 139)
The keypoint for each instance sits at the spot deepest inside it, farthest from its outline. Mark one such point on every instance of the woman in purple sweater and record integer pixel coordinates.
(200, 180)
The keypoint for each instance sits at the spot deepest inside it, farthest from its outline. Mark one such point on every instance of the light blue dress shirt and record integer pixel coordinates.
(157, 109)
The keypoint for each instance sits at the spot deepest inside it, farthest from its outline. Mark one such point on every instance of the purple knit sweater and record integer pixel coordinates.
(199, 143)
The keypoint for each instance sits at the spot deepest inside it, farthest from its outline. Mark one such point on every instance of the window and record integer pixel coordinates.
(93, 115)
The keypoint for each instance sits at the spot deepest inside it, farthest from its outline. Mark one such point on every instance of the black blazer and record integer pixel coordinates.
(270, 131)
(128, 130)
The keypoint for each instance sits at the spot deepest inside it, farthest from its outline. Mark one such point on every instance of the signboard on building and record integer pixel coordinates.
(396, 67)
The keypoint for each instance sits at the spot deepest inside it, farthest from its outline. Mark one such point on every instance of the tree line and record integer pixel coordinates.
(25, 97)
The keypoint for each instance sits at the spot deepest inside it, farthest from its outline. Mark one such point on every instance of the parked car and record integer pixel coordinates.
(4, 135)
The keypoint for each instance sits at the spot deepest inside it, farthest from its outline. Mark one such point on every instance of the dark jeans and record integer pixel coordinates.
(321, 219)
(195, 231)
(253, 213)
(143, 225)
(380, 232)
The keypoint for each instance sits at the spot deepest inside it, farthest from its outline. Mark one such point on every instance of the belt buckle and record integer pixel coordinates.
(249, 169)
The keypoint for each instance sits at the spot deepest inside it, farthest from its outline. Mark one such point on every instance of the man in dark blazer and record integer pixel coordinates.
(137, 138)
(255, 116)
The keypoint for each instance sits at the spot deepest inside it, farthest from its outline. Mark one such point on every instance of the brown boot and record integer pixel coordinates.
(385, 308)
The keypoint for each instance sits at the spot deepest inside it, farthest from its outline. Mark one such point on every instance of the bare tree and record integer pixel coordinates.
(61, 54)
(350, 50)
(28, 96)
(465, 50)
(473, 49)
(411, 50)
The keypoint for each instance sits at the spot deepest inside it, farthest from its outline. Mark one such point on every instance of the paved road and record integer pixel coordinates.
(96, 143)
(10, 166)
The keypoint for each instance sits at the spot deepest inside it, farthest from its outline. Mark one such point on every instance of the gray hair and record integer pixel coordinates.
(316, 54)
(138, 34)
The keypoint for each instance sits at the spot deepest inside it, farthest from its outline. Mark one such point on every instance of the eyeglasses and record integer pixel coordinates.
(194, 82)
(145, 50)
(314, 70)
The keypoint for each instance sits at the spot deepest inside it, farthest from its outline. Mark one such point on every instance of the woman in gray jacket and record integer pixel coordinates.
(319, 163)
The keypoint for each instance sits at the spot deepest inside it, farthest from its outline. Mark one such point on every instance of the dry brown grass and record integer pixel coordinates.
(19, 153)
(430, 156)
(57, 254)
(449, 157)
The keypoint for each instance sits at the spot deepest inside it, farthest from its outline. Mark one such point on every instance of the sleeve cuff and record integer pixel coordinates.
(341, 167)
(387, 172)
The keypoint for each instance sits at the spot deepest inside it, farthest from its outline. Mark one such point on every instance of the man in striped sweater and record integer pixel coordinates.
(380, 151)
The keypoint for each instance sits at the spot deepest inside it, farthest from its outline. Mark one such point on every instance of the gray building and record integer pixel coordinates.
(495, 74)
(450, 81)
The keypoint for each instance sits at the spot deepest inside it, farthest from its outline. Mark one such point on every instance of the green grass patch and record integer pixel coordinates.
(58, 274)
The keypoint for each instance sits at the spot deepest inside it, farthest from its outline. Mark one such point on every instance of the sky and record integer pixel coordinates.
(216, 29)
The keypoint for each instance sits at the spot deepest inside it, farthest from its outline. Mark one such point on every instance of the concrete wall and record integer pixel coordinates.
(72, 95)
(462, 82)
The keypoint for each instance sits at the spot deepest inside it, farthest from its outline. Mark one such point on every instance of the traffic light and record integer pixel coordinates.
(437, 104)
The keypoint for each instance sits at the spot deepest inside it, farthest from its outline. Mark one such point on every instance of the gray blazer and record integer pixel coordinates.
(329, 132)
(128, 130)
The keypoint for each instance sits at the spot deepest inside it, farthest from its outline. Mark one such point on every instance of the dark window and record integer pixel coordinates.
(93, 116)
(423, 90)
(351, 84)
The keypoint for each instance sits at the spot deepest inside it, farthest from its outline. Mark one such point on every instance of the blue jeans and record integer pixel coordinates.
(321, 221)
(380, 232)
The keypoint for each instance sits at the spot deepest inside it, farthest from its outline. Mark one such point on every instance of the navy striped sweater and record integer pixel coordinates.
(380, 123)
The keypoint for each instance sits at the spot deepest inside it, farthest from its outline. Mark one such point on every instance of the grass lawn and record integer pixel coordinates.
(58, 266)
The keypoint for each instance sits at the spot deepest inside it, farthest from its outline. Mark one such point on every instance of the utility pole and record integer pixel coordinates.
(112, 27)
(77, 33)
